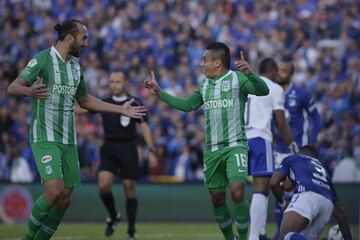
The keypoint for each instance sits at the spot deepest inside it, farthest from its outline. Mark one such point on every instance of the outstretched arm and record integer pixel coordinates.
(184, 104)
(96, 105)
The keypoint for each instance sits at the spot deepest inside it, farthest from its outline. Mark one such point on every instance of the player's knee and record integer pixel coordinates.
(104, 188)
(217, 200)
(53, 196)
(237, 195)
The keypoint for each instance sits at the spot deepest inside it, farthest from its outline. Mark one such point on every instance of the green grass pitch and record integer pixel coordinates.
(154, 231)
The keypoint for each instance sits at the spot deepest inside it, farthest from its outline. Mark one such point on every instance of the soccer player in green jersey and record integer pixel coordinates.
(223, 93)
(54, 80)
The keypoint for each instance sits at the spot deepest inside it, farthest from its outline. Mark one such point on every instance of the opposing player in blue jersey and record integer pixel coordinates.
(260, 110)
(315, 198)
(301, 113)
(302, 116)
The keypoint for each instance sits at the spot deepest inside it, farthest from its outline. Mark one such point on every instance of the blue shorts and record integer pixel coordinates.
(261, 162)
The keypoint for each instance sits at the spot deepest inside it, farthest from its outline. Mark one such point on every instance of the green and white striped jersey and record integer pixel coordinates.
(224, 106)
(52, 119)
(224, 101)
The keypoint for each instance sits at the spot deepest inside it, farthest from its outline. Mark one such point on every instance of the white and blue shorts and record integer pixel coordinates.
(261, 162)
(316, 208)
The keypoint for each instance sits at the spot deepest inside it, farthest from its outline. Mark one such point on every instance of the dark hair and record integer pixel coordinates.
(221, 51)
(267, 65)
(308, 150)
(67, 27)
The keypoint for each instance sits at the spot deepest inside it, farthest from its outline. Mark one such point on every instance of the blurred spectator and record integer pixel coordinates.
(321, 37)
(20, 171)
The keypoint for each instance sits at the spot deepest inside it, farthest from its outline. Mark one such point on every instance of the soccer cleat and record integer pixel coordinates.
(264, 237)
(111, 223)
(236, 237)
(132, 236)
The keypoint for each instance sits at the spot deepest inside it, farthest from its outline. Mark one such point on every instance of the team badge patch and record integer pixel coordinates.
(124, 121)
(225, 86)
(15, 204)
(32, 63)
(48, 169)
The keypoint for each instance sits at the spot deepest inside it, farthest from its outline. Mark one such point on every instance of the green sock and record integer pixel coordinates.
(38, 215)
(49, 227)
(242, 219)
(223, 218)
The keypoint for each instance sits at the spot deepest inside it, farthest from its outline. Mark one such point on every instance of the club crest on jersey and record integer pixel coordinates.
(225, 86)
(124, 121)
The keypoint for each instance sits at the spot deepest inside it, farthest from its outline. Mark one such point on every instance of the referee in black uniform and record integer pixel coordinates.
(119, 152)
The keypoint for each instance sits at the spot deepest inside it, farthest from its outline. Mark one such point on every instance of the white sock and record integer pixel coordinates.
(258, 214)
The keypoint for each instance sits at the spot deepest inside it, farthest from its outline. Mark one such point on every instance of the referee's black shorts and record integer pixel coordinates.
(120, 157)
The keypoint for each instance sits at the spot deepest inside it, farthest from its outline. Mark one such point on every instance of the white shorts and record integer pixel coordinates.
(278, 157)
(316, 208)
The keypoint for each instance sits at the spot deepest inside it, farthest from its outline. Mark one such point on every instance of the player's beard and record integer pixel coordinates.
(75, 50)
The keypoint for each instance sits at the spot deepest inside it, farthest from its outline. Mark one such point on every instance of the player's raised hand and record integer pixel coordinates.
(152, 85)
(243, 65)
(38, 90)
(133, 111)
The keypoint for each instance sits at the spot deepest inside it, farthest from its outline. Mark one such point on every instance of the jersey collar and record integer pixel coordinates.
(120, 99)
(57, 53)
(289, 88)
(221, 77)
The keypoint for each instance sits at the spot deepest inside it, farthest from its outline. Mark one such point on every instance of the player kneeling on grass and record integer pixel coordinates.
(314, 201)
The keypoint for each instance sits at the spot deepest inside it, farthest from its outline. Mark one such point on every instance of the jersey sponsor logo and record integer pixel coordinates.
(46, 159)
(32, 63)
(124, 121)
(225, 86)
(48, 169)
(219, 103)
(63, 89)
(15, 204)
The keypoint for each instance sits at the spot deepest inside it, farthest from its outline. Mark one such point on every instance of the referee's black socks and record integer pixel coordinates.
(108, 200)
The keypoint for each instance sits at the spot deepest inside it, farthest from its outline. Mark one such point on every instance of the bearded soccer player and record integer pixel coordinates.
(223, 93)
(54, 80)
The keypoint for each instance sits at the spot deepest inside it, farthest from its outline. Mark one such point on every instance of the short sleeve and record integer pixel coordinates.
(278, 98)
(33, 70)
(81, 88)
(284, 167)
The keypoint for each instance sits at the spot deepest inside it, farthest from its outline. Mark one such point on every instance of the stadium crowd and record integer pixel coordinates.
(169, 36)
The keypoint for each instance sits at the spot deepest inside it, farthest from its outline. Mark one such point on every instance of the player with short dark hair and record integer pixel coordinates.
(258, 116)
(315, 198)
(54, 80)
(119, 152)
(223, 93)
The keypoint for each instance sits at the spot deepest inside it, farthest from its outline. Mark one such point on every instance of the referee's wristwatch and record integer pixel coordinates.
(152, 149)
